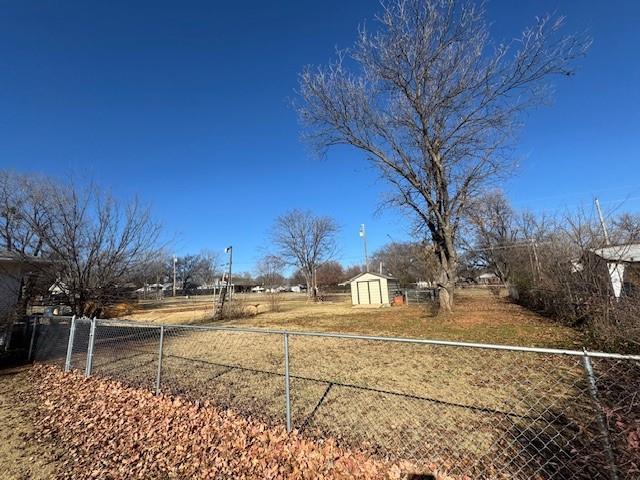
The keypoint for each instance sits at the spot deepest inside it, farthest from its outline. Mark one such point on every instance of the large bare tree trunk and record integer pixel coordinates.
(312, 287)
(448, 271)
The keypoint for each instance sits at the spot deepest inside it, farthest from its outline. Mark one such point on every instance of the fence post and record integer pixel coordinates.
(406, 296)
(602, 425)
(287, 393)
(33, 338)
(72, 334)
(92, 340)
(159, 372)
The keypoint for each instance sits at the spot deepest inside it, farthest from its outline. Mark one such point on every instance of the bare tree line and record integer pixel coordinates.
(551, 264)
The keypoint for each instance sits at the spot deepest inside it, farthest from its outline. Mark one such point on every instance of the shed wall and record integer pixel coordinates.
(370, 289)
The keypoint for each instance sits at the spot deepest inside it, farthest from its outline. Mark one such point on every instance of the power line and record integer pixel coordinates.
(527, 243)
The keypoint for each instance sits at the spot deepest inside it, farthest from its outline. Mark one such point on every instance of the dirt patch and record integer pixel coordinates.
(114, 431)
(21, 456)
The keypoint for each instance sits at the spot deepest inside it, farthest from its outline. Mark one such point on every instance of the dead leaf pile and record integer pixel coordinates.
(111, 431)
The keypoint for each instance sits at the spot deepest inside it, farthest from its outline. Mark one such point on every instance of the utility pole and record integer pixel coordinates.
(363, 235)
(229, 250)
(602, 224)
(175, 260)
(380, 268)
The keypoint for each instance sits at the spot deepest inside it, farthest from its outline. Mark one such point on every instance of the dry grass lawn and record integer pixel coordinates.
(468, 410)
(478, 317)
(465, 409)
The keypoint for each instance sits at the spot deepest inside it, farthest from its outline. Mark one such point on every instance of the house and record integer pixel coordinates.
(14, 269)
(372, 289)
(623, 266)
(489, 278)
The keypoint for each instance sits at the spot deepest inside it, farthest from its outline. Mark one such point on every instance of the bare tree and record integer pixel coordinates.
(155, 270)
(201, 268)
(187, 267)
(329, 274)
(22, 200)
(298, 278)
(210, 268)
(269, 269)
(305, 240)
(494, 232)
(351, 272)
(409, 262)
(433, 104)
(95, 242)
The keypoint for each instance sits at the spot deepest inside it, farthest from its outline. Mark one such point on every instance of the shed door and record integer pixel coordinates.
(375, 291)
(364, 297)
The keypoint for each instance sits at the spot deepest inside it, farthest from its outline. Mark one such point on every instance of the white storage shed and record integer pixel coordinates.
(372, 289)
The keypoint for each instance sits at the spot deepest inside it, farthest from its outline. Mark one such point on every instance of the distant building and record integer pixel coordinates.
(372, 289)
(488, 279)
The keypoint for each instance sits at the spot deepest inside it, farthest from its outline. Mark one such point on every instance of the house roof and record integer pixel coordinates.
(620, 253)
(488, 275)
(7, 256)
(380, 275)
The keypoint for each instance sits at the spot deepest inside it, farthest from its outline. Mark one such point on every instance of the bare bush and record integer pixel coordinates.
(275, 301)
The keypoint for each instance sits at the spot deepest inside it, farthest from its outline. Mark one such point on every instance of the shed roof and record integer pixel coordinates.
(380, 275)
(620, 253)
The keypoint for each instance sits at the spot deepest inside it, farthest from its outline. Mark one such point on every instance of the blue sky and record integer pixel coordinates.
(184, 104)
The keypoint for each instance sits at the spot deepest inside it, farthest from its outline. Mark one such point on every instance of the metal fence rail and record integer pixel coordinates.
(485, 411)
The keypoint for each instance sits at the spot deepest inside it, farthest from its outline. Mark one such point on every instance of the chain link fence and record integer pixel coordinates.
(422, 296)
(481, 411)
